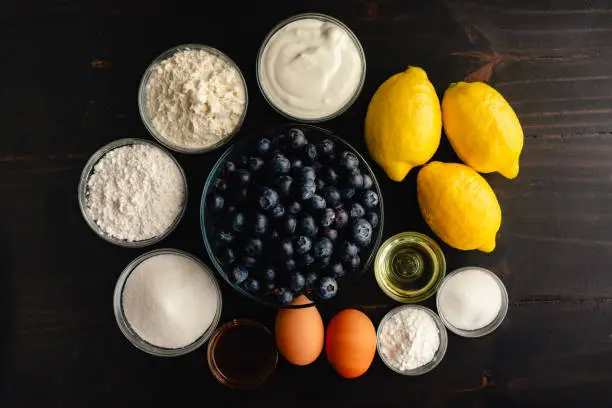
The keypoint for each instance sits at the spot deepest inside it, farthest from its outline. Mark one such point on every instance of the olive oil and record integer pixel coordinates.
(409, 267)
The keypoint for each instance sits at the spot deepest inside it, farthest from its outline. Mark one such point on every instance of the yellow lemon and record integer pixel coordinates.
(404, 123)
(459, 206)
(483, 128)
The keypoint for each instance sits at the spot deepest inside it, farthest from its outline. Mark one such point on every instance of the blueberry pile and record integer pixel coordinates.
(291, 214)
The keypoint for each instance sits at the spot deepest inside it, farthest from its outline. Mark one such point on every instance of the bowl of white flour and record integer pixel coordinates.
(193, 98)
(132, 193)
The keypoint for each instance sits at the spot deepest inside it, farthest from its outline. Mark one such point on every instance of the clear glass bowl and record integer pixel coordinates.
(207, 229)
(382, 267)
(489, 328)
(82, 194)
(438, 356)
(124, 325)
(324, 18)
(142, 99)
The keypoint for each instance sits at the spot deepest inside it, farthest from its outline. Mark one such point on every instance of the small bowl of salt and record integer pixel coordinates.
(472, 301)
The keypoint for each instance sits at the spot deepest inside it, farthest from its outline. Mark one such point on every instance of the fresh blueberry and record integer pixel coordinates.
(330, 233)
(225, 237)
(289, 225)
(296, 164)
(239, 274)
(369, 199)
(283, 184)
(302, 244)
(349, 249)
(328, 287)
(332, 196)
(372, 218)
(263, 146)
(355, 179)
(255, 163)
(243, 161)
(297, 138)
(260, 224)
(253, 247)
(317, 166)
(290, 265)
(230, 209)
(311, 279)
(227, 256)
(274, 235)
(327, 217)
(268, 198)
(297, 282)
(284, 296)
(347, 193)
(362, 232)
(307, 189)
(305, 260)
(279, 140)
(218, 202)
(220, 184)
(329, 175)
(243, 176)
(319, 184)
(325, 261)
(238, 193)
(252, 285)
(353, 262)
(322, 248)
(326, 147)
(248, 261)
(278, 211)
(286, 248)
(307, 226)
(230, 167)
(336, 270)
(341, 218)
(311, 152)
(307, 173)
(349, 160)
(294, 208)
(367, 181)
(269, 274)
(280, 163)
(238, 222)
(356, 210)
(269, 287)
(317, 203)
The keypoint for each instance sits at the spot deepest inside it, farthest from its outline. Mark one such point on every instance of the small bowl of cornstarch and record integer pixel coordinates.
(132, 193)
(193, 98)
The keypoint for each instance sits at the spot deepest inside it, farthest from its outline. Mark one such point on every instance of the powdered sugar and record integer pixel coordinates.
(135, 192)
(409, 339)
(195, 98)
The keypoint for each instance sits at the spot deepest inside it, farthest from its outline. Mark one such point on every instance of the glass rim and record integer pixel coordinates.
(323, 17)
(142, 103)
(82, 193)
(132, 336)
(494, 324)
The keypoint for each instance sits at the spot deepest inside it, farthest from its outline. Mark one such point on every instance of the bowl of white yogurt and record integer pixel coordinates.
(311, 67)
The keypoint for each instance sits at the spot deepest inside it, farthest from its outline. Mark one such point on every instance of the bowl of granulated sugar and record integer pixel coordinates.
(132, 193)
(167, 302)
(192, 98)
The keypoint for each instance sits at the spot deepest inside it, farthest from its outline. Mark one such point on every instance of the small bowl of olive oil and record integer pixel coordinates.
(409, 267)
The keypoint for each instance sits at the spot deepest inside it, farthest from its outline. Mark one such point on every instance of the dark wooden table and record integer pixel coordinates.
(70, 72)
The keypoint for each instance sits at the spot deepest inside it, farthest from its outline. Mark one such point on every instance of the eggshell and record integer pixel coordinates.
(299, 333)
(350, 343)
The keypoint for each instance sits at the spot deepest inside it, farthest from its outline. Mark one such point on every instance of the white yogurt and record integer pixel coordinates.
(311, 69)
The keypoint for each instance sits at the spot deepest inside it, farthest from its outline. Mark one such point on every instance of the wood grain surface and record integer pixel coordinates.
(70, 73)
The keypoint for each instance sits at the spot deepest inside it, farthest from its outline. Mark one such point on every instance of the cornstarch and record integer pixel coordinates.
(135, 192)
(195, 98)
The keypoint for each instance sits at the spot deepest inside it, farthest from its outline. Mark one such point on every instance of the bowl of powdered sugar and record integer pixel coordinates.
(132, 193)
(193, 98)
(411, 340)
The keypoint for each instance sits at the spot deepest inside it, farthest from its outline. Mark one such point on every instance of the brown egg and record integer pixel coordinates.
(299, 333)
(350, 343)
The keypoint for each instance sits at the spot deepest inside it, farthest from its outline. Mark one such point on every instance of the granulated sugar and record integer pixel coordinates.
(135, 192)
(195, 98)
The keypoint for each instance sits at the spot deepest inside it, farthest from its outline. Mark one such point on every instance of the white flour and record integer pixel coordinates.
(135, 192)
(409, 339)
(169, 300)
(194, 98)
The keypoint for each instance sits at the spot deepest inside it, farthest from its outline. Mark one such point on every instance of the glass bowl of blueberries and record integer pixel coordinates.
(293, 211)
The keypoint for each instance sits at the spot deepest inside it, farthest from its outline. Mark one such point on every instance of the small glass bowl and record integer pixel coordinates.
(127, 330)
(324, 18)
(142, 103)
(489, 328)
(438, 356)
(435, 254)
(82, 194)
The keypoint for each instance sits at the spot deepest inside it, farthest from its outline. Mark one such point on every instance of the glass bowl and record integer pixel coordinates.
(438, 356)
(383, 269)
(324, 18)
(208, 230)
(142, 99)
(131, 335)
(489, 328)
(82, 194)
